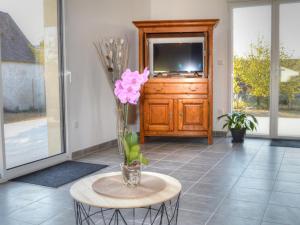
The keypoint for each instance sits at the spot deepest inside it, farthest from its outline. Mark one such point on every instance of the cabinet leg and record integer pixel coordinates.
(142, 139)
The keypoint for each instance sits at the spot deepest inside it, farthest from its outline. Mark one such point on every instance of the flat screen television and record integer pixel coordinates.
(176, 55)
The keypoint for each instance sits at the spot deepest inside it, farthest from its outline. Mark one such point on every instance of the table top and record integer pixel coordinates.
(119, 196)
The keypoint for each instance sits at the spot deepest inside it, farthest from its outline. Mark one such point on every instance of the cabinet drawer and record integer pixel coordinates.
(176, 88)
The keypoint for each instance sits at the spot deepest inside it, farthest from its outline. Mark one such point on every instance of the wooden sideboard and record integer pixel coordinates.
(177, 106)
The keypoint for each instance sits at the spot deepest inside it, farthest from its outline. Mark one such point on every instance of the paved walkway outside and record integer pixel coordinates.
(25, 142)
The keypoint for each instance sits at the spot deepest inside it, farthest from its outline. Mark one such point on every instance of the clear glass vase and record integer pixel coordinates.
(131, 175)
(121, 126)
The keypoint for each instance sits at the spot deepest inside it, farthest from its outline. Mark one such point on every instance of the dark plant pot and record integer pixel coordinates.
(238, 135)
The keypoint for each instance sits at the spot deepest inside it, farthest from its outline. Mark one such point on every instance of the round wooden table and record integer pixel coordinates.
(105, 198)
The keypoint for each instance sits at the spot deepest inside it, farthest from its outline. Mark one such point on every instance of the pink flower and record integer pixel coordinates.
(128, 88)
(132, 79)
(145, 75)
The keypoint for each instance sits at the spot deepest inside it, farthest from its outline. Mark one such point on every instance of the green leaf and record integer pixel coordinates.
(126, 148)
(132, 139)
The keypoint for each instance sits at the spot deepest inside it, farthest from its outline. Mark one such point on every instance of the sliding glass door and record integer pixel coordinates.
(251, 62)
(266, 65)
(31, 84)
(289, 82)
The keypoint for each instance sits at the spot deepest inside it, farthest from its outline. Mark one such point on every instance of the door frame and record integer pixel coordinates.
(275, 62)
(7, 174)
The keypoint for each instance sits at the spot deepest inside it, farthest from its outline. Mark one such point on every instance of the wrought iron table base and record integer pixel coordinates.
(165, 214)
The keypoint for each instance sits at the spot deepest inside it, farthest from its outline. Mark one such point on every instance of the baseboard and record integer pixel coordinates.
(93, 149)
(219, 133)
(113, 143)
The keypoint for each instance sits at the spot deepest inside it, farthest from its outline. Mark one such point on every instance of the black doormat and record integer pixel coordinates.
(285, 143)
(58, 175)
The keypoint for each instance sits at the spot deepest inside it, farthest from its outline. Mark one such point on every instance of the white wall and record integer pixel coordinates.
(203, 9)
(90, 98)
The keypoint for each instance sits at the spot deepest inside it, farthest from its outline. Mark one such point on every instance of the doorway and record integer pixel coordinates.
(266, 65)
(31, 85)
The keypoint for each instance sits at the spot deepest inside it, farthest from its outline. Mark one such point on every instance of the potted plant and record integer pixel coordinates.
(238, 123)
(133, 158)
(127, 91)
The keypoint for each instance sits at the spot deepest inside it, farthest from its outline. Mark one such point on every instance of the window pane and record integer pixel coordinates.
(289, 101)
(30, 78)
(251, 62)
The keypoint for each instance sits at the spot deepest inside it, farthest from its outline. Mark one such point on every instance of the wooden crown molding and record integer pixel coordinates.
(176, 23)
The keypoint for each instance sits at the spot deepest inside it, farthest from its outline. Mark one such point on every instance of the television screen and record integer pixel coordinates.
(177, 57)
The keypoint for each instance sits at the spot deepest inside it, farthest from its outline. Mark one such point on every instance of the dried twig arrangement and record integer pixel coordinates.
(113, 53)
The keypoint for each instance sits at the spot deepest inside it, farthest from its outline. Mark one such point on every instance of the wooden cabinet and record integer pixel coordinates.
(158, 115)
(192, 114)
(177, 106)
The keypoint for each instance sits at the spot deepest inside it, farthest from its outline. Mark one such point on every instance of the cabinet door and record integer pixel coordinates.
(158, 114)
(192, 114)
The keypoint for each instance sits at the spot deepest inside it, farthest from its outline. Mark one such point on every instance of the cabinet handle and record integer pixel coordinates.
(193, 88)
(181, 114)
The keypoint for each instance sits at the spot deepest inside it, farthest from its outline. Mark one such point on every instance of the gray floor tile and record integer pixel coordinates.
(192, 218)
(204, 160)
(196, 167)
(242, 209)
(260, 174)
(225, 220)
(285, 199)
(226, 171)
(8, 221)
(290, 168)
(251, 195)
(272, 223)
(291, 161)
(282, 215)
(63, 197)
(184, 175)
(226, 180)
(288, 187)
(158, 170)
(36, 213)
(155, 155)
(65, 218)
(261, 184)
(210, 190)
(290, 177)
(179, 157)
(9, 204)
(167, 165)
(186, 185)
(199, 203)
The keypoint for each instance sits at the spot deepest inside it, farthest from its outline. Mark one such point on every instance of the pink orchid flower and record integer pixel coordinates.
(128, 88)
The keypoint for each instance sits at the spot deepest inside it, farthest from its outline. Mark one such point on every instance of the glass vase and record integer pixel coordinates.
(121, 127)
(131, 175)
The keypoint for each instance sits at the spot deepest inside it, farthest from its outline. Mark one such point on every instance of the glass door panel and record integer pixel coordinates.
(252, 63)
(30, 72)
(289, 98)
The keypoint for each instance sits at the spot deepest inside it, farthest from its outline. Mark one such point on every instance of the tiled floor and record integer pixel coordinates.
(223, 184)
